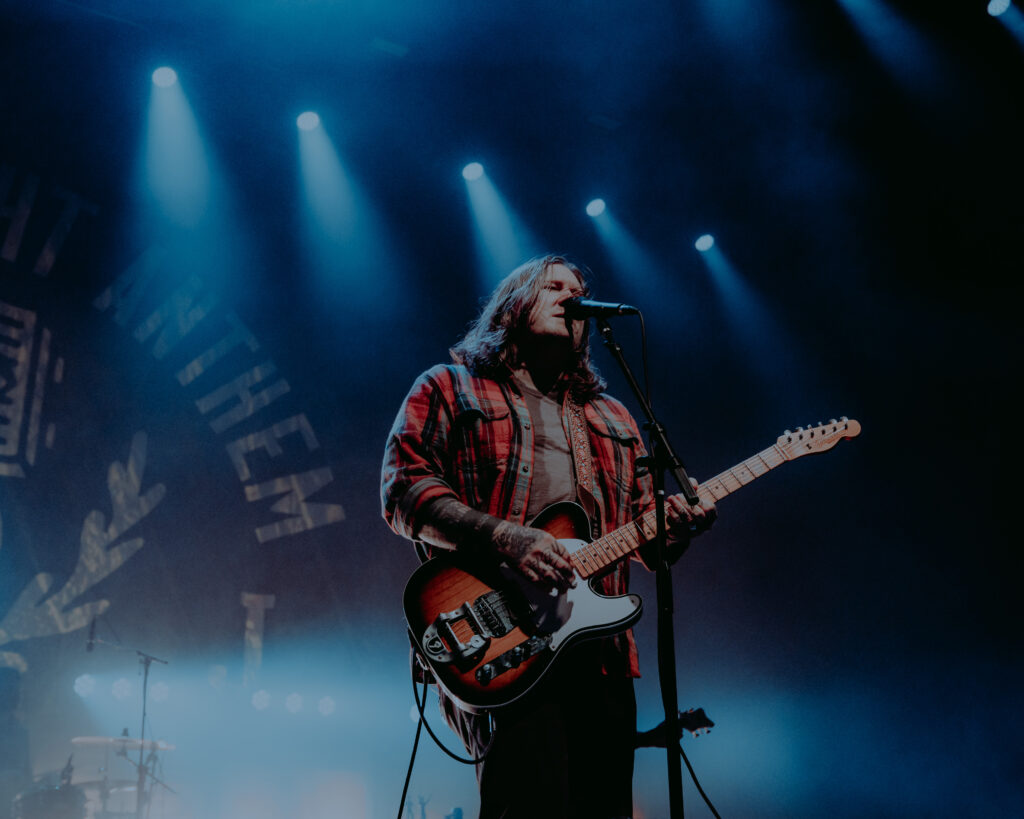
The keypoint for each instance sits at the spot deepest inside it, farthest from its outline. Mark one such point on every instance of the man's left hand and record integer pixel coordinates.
(684, 521)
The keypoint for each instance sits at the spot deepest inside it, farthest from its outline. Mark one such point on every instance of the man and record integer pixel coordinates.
(518, 422)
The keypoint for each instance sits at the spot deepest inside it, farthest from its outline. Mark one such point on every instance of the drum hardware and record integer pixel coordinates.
(124, 743)
(146, 766)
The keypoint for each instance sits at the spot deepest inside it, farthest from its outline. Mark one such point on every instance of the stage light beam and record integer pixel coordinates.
(637, 269)
(1012, 19)
(176, 166)
(502, 239)
(595, 207)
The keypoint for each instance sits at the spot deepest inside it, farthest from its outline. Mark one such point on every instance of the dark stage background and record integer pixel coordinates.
(853, 622)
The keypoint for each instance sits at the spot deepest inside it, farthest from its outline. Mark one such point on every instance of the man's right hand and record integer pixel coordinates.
(536, 554)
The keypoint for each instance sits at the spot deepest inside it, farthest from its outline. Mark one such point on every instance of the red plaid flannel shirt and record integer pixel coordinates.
(470, 438)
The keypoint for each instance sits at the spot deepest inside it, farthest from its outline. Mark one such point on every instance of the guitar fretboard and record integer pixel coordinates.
(603, 552)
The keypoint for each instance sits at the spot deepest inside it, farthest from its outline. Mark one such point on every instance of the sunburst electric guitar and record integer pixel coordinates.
(489, 635)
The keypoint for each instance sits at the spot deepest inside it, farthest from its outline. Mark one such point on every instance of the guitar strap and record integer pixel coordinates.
(584, 462)
(581, 446)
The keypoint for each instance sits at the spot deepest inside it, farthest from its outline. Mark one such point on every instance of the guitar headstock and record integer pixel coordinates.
(820, 438)
(695, 721)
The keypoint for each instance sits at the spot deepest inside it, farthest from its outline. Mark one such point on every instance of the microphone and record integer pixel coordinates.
(91, 642)
(577, 308)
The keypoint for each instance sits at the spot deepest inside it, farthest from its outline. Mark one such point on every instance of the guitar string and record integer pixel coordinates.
(610, 548)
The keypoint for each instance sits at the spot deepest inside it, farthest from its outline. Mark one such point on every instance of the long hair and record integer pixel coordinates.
(490, 348)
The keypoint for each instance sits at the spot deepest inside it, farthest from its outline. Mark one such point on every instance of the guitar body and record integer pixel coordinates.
(489, 635)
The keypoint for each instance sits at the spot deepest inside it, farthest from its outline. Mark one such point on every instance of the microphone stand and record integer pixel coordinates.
(146, 660)
(663, 458)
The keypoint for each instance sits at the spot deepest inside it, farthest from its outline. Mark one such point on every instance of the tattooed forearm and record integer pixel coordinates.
(449, 523)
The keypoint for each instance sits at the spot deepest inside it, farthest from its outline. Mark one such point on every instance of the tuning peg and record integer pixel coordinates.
(820, 424)
(832, 421)
(844, 419)
(799, 429)
(787, 432)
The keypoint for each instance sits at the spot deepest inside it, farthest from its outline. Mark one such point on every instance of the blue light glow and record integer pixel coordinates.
(121, 689)
(308, 120)
(261, 700)
(503, 241)
(346, 242)
(705, 243)
(636, 270)
(164, 77)
(474, 170)
(595, 207)
(328, 190)
(293, 703)
(909, 57)
(1011, 18)
(177, 170)
(85, 685)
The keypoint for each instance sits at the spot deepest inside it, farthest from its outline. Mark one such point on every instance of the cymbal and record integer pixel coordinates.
(112, 785)
(125, 743)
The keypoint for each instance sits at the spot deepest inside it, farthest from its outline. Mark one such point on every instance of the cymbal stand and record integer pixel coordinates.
(146, 660)
(142, 767)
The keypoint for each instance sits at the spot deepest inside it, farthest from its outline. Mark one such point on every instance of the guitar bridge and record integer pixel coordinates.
(485, 617)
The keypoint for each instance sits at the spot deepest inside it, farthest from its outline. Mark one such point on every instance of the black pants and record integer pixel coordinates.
(565, 750)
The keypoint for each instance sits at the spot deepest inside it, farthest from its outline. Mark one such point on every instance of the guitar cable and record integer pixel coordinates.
(422, 723)
(696, 782)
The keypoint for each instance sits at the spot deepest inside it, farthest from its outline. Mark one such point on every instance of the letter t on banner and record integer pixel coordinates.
(255, 607)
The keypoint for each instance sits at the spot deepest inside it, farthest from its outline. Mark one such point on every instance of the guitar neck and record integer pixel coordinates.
(603, 552)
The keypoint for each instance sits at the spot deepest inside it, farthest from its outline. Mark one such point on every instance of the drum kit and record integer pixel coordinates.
(60, 796)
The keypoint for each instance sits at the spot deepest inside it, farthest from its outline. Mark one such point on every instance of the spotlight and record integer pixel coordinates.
(474, 170)
(261, 700)
(308, 120)
(122, 689)
(997, 7)
(164, 77)
(293, 703)
(85, 685)
(705, 243)
(595, 207)
(326, 706)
